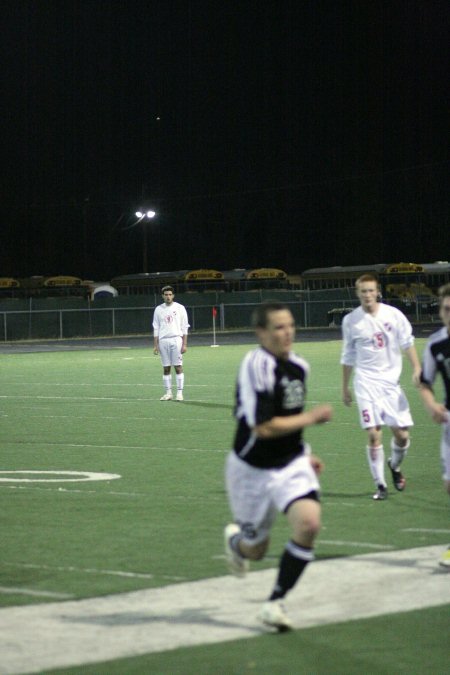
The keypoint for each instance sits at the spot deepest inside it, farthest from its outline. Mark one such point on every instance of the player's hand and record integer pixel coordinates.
(416, 377)
(347, 397)
(316, 464)
(322, 413)
(156, 351)
(440, 414)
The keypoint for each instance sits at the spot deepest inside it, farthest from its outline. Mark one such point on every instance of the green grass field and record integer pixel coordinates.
(161, 522)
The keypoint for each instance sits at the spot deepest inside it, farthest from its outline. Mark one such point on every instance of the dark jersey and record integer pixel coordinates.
(268, 387)
(436, 358)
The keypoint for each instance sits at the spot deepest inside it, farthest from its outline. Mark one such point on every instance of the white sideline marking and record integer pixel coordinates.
(10, 590)
(64, 634)
(89, 570)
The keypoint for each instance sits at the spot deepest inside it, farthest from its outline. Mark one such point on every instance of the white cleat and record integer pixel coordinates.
(236, 564)
(167, 397)
(444, 560)
(179, 395)
(273, 615)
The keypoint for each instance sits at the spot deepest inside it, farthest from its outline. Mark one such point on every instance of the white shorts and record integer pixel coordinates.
(170, 351)
(445, 449)
(388, 407)
(257, 495)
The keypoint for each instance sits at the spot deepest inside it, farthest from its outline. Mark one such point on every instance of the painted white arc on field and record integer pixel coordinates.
(61, 476)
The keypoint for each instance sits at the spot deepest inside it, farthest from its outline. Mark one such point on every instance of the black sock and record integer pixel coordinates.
(292, 563)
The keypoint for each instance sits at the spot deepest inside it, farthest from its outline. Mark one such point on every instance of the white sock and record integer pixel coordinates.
(167, 382)
(397, 453)
(180, 381)
(375, 457)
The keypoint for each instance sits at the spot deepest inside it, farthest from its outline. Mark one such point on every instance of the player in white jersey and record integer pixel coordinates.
(374, 336)
(270, 468)
(436, 359)
(170, 331)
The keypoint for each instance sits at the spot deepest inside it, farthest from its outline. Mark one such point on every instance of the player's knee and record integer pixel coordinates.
(374, 438)
(307, 529)
(312, 526)
(401, 437)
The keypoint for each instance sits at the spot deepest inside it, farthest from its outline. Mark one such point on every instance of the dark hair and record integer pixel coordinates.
(166, 288)
(260, 315)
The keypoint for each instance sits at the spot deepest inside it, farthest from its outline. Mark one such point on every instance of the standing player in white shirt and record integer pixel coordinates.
(170, 331)
(374, 336)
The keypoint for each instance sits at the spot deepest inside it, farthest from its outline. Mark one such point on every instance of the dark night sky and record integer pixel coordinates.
(292, 134)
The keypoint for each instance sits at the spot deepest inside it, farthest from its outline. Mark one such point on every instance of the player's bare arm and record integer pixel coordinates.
(282, 426)
(346, 393)
(437, 411)
(411, 353)
(156, 345)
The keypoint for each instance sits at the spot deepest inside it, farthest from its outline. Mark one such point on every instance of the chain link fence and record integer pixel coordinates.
(117, 320)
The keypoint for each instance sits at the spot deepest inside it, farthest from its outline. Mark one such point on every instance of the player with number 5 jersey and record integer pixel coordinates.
(374, 336)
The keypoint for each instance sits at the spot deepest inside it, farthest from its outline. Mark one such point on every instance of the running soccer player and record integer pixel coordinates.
(170, 331)
(271, 469)
(436, 359)
(374, 335)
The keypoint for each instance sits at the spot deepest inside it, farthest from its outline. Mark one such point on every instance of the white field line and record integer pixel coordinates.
(424, 529)
(58, 635)
(107, 399)
(10, 590)
(356, 544)
(117, 447)
(95, 385)
(89, 570)
(118, 418)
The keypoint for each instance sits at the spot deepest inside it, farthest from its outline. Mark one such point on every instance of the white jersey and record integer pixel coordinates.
(170, 321)
(373, 344)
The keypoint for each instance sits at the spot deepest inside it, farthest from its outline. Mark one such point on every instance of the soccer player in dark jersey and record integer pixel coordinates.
(271, 468)
(436, 359)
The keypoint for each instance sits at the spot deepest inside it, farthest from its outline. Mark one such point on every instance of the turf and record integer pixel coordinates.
(403, 644)
(161, 522)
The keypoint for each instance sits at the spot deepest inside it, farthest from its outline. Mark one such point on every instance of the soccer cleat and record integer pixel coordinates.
(167, 397)
(444, 560)
(179, 395)
(237, 565)
(274, 615)
(381, 493)
(397, 477)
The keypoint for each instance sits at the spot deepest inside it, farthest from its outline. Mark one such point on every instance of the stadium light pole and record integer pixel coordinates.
(145, 216)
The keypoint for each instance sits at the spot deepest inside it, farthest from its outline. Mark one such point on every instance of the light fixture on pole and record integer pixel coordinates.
(144, 216)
